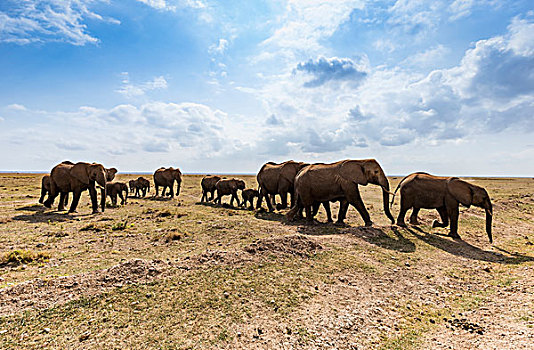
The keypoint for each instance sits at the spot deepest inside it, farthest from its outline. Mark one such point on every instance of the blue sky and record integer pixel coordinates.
(221, 86)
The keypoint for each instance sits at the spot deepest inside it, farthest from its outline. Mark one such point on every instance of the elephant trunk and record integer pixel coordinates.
(385, 199)
(489, 219)
(103, 198)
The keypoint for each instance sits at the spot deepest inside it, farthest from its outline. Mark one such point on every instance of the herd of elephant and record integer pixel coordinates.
(309, 186)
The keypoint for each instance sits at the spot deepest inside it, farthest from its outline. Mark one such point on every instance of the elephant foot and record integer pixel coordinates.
(414, 222)
(47, 205)
(340, 223)
(436, 223)
(454, 235)
(401, 224)
(72, 212)
(329, 220)
(368, 224)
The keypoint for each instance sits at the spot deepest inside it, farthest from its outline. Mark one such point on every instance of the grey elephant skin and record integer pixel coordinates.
(140, 185)
(248, 196)
(114, 189)
(208, 185)
(445, 194)
(339, 181)
(229, 187)
(76, 178)
(277, 178)
(165, 177)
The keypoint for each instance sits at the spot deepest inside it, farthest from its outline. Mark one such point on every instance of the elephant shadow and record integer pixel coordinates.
(154, 198)
(263, 214)
(461, 248)
(52, 216)
(224, 205)
(372, 235)
(34, 207)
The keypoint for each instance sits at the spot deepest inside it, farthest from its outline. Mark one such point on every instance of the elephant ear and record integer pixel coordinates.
(461, 191)
(353, 172)
(110, 174)
(80, 171)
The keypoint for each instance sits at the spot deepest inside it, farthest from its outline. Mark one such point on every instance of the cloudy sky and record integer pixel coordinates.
(223, 86)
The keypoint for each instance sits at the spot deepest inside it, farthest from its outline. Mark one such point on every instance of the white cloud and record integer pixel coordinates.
(49, 20)
(218, 48)
(306, 23)
(173, 5)
(16, 107)
(130, 90)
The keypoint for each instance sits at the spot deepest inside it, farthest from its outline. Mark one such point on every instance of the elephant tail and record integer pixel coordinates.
(400, 183)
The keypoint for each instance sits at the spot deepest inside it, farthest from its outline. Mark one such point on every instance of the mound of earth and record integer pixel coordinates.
(291, 245)
(42, 294)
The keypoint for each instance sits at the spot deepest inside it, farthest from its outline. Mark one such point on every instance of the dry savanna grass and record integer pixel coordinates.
(177, 274)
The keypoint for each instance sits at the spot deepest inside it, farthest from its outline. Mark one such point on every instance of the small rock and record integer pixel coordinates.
(3, 331)
(487, 269)
(46, 330)
(226, 295)
(407, 264)
(40, 245)
(239, 334)
(85, 336)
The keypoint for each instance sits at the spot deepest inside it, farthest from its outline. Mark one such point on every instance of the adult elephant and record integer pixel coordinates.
(276, 179)
(229, 187)
(165, 177)
(208, 186)
(114, 189)
(445, 194)
(339, 181)
(77, 178)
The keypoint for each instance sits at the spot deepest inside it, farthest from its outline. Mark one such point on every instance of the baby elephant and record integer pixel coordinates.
(229, 187)
(422, 190)
(208, 186)
(248, 196)
(116, 188)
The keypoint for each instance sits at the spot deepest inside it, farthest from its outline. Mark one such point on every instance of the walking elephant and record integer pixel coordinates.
(229, 187)
(445, 194)
(141, 186)
(248, 196)
(114, 189)
(339, 181)
(131, 185)
(208, 186)
(276, 179)
(76, 178)
(165, 177)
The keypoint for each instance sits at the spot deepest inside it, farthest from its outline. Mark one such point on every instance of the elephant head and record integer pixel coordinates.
(110, 174)
(176, 174)
(468, 194)
(240, 184)
(368, 171)
(87, 173)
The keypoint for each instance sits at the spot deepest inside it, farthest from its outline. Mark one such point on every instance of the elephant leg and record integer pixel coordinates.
(315, 208)
(444, 218)
(94, 201)
(283, 197)
(309, 216)
(269, 200)
(62, 200)
(75, 200)
(355, 200)
(203, 196)
(404, 206)
(413, 217)
(232, 199)
(66, 201)
(342, 213)
(123, 199)
(157, 190)
(453, 215)
(326, 206)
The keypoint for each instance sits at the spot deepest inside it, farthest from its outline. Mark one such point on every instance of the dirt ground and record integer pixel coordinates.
(178, 274)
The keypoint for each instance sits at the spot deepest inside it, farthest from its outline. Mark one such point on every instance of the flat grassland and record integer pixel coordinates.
(177, 274)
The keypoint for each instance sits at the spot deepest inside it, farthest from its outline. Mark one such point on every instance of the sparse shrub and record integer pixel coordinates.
(18, 257)
(121, 225)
